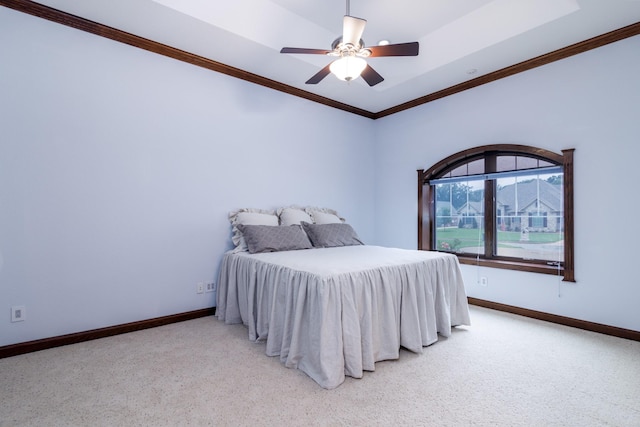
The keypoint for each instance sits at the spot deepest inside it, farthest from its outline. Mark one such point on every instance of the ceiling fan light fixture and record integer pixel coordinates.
(351, 50)
(348, 68)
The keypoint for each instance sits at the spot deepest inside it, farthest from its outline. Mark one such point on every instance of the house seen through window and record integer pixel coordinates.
(502, 206)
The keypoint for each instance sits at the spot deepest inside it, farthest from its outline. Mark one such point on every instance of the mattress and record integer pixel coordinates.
(334, 312)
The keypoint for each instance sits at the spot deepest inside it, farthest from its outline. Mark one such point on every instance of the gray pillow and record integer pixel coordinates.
(274, 238)
(331, 235)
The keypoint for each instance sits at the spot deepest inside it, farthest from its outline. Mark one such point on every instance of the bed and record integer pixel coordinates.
(336, 311)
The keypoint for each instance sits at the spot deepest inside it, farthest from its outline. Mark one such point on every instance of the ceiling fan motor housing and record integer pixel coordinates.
(345, 49)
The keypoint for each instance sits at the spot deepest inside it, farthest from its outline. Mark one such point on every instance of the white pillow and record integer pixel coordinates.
(249, 216)
(292, 215)
(324, 216)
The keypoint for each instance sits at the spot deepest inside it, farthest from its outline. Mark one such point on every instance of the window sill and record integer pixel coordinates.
(514, 265)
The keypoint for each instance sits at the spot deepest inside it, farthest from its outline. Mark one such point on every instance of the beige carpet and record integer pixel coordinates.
(503, 370)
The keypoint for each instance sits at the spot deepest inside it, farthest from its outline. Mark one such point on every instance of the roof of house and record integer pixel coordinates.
(470, 207)
(528, 193)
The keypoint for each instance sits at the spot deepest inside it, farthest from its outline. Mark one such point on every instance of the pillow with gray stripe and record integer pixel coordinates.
(331, 235)
(269, 238)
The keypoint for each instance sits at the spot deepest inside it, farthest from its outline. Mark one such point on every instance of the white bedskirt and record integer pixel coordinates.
(336, 311)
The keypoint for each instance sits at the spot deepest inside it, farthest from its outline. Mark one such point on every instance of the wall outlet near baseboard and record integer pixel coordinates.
(210, 287)
(483, 281)
(200, 288)
(18, 313)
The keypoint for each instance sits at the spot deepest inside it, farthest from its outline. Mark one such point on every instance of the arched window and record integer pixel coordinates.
(502, 206)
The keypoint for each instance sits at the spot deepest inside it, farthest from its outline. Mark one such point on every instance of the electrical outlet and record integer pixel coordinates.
(18, 313)
(484, 281)
(210, 287)
(200, 288)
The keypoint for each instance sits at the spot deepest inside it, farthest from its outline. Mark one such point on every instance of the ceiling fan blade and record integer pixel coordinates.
(352, 29)
(317, 78)
(371, 76)
(304, 50)
(400, 49)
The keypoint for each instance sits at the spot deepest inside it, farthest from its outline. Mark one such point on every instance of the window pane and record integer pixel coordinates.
(526, 163)
(476, 167)
(459, 171)
(530, 217)
(505, 163)
(460, 217)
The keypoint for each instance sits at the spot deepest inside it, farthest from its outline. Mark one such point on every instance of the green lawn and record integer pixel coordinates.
(462, 237)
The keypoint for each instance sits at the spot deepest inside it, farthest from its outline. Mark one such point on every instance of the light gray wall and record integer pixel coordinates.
(590, 102)
(118, 168)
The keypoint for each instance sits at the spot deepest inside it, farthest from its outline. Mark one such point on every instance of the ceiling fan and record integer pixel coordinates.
(351, 51)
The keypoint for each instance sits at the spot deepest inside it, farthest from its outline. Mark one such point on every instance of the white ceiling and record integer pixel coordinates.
(455, 36)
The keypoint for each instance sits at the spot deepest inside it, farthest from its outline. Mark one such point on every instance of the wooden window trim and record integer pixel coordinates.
(426, 206)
